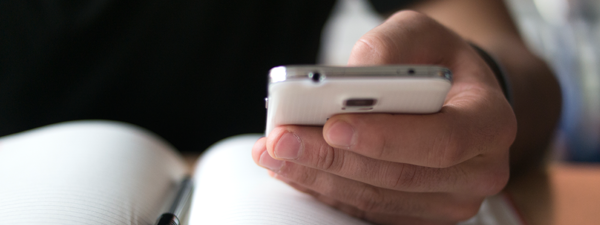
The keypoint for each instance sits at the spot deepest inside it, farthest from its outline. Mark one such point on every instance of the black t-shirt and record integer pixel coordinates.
(193, 72)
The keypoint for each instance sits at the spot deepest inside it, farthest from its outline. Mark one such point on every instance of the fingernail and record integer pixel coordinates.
(341, 134)
(289, 146)
(267, 161)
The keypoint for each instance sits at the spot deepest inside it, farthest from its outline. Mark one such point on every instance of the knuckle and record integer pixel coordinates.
(453, 151)
(373, 44)
(385, 149)
(369, 44)
(370, 199)
(329, 190)
(447, 148)
(364, 45)
(405, 178)
(298, 174)
(328, 159)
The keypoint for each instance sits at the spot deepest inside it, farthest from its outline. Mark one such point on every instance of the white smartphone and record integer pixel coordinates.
(309, 95)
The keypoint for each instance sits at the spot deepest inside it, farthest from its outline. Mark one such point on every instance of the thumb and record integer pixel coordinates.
(410, 37)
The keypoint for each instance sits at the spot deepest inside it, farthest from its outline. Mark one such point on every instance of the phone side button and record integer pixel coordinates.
(266, 103)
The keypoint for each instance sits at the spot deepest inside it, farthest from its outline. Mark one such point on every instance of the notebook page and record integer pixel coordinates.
(232, 189)
(94, 172)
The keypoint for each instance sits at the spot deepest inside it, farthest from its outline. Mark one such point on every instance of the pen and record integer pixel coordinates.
(180, 202)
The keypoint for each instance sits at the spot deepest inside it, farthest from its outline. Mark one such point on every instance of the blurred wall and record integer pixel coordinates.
(349, 20)
(566, 33)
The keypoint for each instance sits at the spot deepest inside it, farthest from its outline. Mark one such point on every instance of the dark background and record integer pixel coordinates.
(193, 72)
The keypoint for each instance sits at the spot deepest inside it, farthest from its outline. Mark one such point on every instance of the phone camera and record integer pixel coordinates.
(315, 76)
(411, 71)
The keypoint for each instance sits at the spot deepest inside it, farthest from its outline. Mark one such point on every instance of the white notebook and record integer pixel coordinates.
(98, 172)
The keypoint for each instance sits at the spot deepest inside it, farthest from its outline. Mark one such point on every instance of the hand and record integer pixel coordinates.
(403, 168)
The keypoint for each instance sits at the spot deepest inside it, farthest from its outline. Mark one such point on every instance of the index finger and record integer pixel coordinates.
(439, 140)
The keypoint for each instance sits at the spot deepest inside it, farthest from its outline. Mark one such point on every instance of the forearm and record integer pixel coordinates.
(535, 91)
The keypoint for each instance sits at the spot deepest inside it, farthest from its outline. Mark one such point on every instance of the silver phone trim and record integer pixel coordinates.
(284, 73)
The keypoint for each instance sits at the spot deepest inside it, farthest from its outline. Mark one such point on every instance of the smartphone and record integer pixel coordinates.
(310, 95)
